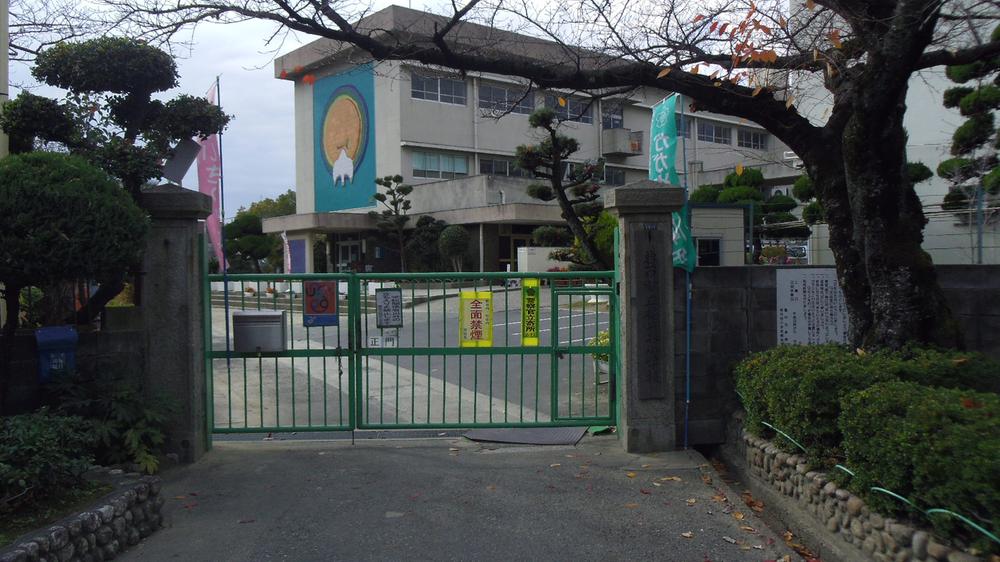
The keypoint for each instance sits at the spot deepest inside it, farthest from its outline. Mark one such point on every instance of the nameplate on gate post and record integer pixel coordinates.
(650, 248)
(319, 307)
(388, 308)
(529, 312)
(475, 318)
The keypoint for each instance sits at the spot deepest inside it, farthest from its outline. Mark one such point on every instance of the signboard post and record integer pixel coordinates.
(529, 312)
(811, 307)
(475, 319)
(319, 308)
(388, 308)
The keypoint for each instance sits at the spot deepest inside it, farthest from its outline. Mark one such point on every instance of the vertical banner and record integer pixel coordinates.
(529, 312)
(286, 253)
(663, 168)
(475, 319)
(209, 183)
(319, 307)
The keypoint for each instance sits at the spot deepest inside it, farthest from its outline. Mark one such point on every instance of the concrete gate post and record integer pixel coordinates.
(173, 314)
(646, 328)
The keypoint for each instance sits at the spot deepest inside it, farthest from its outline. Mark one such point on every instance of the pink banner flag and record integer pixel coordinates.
(210, 183)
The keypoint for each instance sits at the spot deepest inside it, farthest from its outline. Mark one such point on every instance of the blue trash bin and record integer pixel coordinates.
(56, 351)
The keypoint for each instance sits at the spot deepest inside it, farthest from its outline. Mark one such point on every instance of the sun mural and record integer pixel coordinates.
(345, 131)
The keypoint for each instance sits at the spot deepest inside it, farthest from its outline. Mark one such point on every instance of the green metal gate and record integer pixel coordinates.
(416, 351)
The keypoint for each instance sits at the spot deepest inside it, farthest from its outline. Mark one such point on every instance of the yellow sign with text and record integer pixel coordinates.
(529, 312)
(475, 317)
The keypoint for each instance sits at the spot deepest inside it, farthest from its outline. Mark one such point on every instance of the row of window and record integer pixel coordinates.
(500, 99)
(438, 165)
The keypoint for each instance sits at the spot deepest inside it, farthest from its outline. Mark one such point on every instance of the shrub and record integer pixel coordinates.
(949, 369)
(40, 454)
(602, 338)
(938, 447)
(128, 426)
(798, 390)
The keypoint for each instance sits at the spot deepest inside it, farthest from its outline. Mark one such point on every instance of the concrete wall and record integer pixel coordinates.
(733, 314)
(110, 353)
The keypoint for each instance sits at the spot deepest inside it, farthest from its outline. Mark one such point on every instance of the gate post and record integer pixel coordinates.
(646, 309)
(174, 314)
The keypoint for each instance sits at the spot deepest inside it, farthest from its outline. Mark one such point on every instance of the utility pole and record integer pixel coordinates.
(980, 195)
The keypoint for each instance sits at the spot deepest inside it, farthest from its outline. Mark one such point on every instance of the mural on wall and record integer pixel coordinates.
(344, 138)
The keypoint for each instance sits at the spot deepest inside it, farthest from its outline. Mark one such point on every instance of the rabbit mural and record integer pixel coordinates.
(343, 169)
(345, 155)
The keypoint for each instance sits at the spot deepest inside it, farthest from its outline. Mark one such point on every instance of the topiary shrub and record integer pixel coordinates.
(940, 448)
(41, 454)
(944, 368)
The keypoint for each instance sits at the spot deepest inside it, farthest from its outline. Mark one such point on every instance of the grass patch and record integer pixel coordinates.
(45, 512)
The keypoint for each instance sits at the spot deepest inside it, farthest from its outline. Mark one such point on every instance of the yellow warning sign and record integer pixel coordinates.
(475, 319)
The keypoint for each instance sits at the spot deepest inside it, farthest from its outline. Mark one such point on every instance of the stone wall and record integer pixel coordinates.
(734, 313)
(833, 521)
(113, 524)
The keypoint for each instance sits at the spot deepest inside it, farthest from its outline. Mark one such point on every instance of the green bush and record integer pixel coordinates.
(938, 447)
(41, 454)
(949, 369)
(128, 426)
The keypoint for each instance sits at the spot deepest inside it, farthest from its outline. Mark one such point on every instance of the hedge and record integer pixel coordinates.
(940, 448)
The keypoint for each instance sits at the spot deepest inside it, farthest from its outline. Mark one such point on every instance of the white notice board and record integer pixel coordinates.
(811, 307)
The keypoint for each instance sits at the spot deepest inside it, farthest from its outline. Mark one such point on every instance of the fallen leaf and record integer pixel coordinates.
(738, 515)
(748, 529)
(180, 497)
(704, 477)
(664, 72)
(657, 484)
(630, 474)
(759, 546)
(242, 521)
(729, 540)
(555, 465)
(646, 466)
(631, 505)
(670, 479)
(719, 498)
(811, 5)
(688, 535)
(692, 501)
(453, 449)
(644, 491)
(492, 487)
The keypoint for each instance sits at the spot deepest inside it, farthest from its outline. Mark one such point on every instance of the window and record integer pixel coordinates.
(746, 138)
(439, 165)
(613, 176)
(612, 116)
(713, 132)
(437, 88)
(683, 126)
(501, 167)
(575, 109)
(708, 251)
(497, 99)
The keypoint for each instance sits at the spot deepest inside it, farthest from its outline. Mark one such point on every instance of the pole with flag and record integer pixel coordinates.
(211, 183)
(663, 168)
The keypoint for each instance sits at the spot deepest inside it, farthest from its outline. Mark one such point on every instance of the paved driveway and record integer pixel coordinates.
(451, 499)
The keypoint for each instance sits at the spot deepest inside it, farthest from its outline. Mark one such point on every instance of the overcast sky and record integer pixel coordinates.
(258, 147)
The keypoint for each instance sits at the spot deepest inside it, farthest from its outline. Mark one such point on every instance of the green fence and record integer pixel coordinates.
(428, 350)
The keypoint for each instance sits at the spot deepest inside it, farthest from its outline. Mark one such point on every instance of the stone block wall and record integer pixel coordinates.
(834, 521)
(113, 524)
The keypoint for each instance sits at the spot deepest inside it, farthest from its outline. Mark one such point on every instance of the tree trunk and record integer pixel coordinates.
(12, 294)
(827, 173)
(95, 304)
(905, 300)
(402, 251)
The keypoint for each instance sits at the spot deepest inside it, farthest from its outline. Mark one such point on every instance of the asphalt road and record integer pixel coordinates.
(451, 499)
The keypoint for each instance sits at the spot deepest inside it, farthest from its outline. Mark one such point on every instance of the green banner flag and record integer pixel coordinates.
(663, 168)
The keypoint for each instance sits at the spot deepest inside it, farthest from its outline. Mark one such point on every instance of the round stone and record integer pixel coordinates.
(959, 556)
(854, 505)
(857, 529)
(920, 539)
(904, 555)
(937, 550)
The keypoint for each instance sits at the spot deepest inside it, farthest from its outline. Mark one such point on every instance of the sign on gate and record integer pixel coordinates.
(529, 312)
(320, 304)
(476, 319)
(388, 308)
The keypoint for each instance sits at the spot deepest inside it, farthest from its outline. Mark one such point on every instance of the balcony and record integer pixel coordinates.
(621, 142)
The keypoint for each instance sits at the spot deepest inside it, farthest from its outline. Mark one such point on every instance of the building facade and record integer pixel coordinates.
(453, 137)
